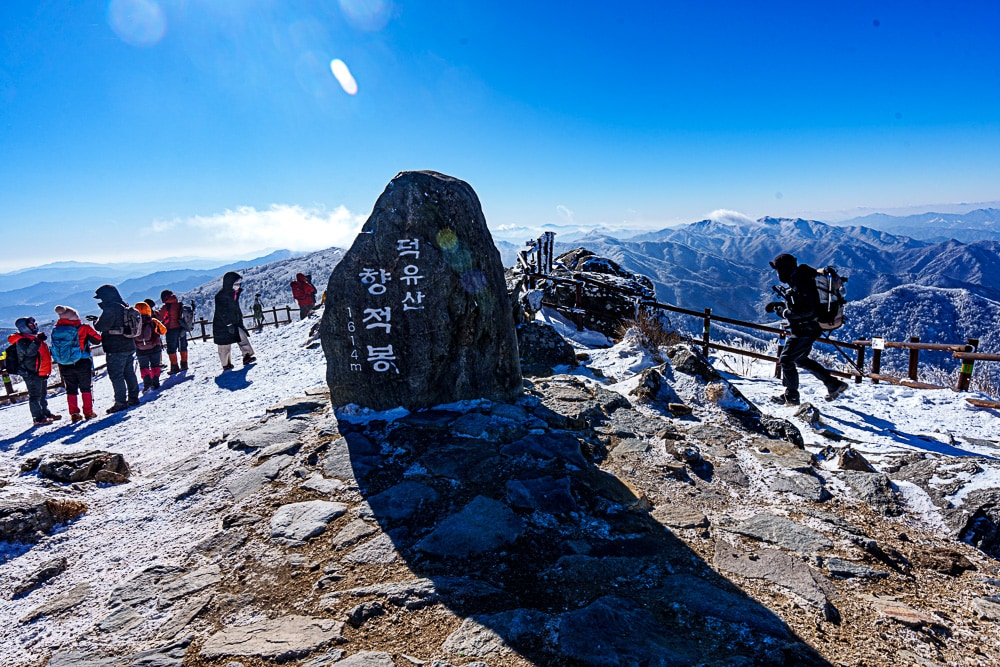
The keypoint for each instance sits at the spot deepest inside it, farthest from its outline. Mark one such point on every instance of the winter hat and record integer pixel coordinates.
(784, 261)
(165, 294)
(150, 303)
(67, 313)
(144, 308)
(21, 324)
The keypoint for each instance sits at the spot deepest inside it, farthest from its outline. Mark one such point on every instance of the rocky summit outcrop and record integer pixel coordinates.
(417, 312)
(577, 524)
(593, 291)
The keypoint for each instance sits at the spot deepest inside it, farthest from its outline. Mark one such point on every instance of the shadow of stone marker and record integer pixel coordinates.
(418, 317)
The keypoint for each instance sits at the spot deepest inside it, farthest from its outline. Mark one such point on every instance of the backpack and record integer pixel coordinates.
(187, 317)
(832, 297)
(65, 345)
(132, 324)
(10, 360)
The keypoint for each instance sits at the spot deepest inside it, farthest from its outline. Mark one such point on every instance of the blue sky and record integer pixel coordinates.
(136, 129)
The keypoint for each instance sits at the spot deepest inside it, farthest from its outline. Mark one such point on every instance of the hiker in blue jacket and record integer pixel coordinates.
(118, 348)
(801, 310)
(71, 342)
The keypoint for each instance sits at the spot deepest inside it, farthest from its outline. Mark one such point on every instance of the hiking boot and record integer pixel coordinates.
(134, 401)
(51, 417)
(248, 359)
(174, 370)
(75, 417)
(184, 365)
(90, 415)
(117, 407)
(836, 391)
(227, 367)
(781, 399)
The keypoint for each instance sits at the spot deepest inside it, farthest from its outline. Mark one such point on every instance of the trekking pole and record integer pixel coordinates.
(844, 355)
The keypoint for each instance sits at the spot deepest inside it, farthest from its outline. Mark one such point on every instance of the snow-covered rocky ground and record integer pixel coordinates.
(170, 426)
(130, 526)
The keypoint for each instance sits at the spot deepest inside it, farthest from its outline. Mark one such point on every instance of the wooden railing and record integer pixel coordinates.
(965, 352)
(248, 321)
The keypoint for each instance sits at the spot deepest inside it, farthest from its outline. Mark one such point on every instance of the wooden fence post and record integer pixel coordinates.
(861, 364)
(204, 334)
(706, 332)
(876, 364)
(965, 375)
(914, 357)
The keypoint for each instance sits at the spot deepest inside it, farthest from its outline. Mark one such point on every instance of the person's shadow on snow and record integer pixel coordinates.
(234, 380)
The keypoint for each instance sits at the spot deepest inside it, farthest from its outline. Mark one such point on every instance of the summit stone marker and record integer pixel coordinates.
(417, 312)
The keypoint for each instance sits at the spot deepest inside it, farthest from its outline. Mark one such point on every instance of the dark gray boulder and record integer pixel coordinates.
(72, 467)
(417, 312)
(543, 349)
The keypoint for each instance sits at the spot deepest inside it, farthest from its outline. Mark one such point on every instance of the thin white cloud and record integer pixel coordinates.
(730, 217)
(565, 213)
(248, 229)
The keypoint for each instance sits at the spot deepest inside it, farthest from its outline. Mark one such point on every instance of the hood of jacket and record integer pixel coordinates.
(108, 294)
(230, 279)
(21, 324)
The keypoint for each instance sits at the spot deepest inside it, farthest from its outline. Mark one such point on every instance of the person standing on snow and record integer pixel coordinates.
(71, 341)
(258, 313)
(34, 367)
(170, 315)
(227, 323)
(149, 347)
(800, 309)
(304, 293)
(119, 349)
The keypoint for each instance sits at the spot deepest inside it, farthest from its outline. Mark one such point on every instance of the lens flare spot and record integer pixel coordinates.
(137, 22)
(367, 15)
(474, 281)
(447, 240)
(344, 76)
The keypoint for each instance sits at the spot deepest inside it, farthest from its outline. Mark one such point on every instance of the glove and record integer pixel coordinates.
(777, 307)
(41, 336)
(91, 318)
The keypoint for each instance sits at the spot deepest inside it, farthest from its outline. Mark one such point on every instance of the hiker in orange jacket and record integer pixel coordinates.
(149, 347)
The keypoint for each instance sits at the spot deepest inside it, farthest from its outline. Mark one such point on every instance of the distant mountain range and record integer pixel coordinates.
(978, 225)
(36, 292)
(899, 286)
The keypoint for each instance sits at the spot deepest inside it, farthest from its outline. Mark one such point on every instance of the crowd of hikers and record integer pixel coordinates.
(129, 334)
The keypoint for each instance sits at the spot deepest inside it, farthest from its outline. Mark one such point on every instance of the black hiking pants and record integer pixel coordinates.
(795, 355)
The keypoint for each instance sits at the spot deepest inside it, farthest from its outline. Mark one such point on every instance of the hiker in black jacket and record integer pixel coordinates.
(227, 323)
(119, 349)
(800, 309)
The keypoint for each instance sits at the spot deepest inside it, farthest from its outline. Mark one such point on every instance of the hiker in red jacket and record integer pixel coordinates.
(304, 293)
(170, 315)
(34, 367)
